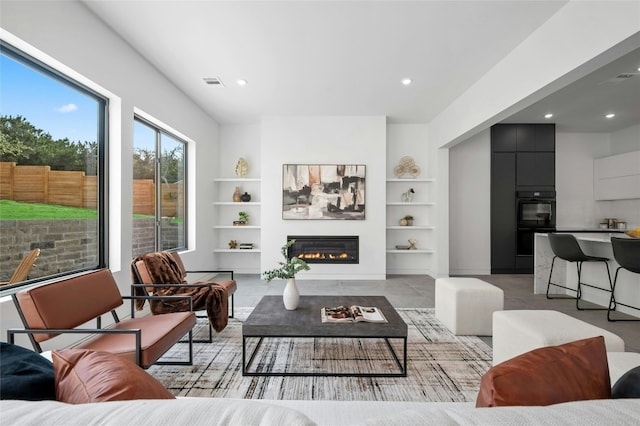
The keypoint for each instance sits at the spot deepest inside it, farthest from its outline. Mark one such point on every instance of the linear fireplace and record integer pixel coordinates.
(338, 249)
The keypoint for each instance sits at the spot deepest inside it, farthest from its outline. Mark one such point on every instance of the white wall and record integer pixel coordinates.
(575, 152)
(328, 140)
(238, 140)
(580, 38)
(469, 189)
(575, 205)
(469, 192)
(625, 140)
(412, 140)
(470, 206)
(76, 39)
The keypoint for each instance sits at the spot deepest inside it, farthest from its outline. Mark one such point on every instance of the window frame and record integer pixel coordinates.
(160, 130)
(102, 138)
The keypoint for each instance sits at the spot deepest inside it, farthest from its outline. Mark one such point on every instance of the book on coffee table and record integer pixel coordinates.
(352, 314)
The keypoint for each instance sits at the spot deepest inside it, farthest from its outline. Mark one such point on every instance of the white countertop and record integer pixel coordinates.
(600, 237)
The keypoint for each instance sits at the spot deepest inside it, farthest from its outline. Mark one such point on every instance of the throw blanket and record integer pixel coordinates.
(163, 269)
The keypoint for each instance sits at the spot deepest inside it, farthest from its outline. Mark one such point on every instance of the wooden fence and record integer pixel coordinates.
(40, 184)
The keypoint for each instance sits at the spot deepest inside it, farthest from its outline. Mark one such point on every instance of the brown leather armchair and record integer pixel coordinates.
(65, 306)
(163, 273)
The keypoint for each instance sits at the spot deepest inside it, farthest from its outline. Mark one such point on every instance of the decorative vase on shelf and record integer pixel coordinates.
(246, 197)
(291, 295)
(237, 197)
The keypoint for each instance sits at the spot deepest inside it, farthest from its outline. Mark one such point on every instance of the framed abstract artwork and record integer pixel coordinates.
(323, 191)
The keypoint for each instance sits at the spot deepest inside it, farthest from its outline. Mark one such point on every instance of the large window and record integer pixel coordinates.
(52, 170)
(159, 176)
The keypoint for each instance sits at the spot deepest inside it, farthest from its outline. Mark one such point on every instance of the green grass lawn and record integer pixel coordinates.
(13, 210)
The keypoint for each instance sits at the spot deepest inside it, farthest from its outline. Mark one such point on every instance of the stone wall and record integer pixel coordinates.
(64, 245)
(68, 244)
(143, 238)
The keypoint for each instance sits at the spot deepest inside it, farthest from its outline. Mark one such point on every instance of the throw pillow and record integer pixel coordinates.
(571, 372)
(627, 386)
(25, 374)
(83, 376)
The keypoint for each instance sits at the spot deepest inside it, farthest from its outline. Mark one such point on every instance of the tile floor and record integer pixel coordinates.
(417, 291)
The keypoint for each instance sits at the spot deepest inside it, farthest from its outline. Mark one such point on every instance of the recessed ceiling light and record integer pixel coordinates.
(242, 82)
(548, 115)
(610, 115)
(406, 81)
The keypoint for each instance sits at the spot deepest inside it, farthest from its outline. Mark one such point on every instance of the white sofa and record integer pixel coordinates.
(219, 411)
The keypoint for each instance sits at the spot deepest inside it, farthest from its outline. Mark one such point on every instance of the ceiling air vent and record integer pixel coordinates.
(621, 77)
(624, 76)
(213, 81)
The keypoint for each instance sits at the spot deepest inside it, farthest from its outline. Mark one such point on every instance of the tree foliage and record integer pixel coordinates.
(143, 163)
(26, 145)
(171, 164)
(23, 143)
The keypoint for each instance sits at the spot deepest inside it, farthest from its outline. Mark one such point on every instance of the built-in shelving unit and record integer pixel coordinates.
(403, 261)
(226, 212)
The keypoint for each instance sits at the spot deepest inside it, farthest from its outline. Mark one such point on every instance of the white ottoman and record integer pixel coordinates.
(620, 363)
(466, 305)
(516, 332)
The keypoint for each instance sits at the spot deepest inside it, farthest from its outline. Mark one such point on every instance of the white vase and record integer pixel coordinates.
(291, 296)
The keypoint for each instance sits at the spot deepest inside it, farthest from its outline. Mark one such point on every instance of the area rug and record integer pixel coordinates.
(441, 366)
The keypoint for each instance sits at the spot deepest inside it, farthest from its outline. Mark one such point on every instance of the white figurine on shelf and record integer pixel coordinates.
(407, 197)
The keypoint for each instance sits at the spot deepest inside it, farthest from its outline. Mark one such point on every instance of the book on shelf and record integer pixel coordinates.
(352, 314)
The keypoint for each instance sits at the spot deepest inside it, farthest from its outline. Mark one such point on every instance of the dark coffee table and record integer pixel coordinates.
(270, 319)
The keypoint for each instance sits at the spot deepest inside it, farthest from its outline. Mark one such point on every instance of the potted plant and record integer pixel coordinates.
(409, 219)
(243, 218)
(287, 271)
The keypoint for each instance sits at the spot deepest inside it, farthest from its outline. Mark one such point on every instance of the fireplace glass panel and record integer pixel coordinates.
(325, 249)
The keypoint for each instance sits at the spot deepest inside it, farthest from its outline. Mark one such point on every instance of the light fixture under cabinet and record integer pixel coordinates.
(611, 115)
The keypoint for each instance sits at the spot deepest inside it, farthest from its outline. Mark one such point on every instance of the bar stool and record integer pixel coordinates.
(566, 247)
(626, 252)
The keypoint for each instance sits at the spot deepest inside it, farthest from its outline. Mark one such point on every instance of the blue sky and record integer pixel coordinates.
(46, 103)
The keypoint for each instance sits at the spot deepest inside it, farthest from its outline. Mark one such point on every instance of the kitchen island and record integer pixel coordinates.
(594, 244)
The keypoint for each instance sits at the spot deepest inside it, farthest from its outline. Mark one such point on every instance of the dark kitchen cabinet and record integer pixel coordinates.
(525, 137)
(503, 138)
(503, 218)
(522, 159)
(536, 169)
(545, 137)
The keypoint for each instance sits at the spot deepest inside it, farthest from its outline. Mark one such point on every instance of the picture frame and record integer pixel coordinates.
(323, 191)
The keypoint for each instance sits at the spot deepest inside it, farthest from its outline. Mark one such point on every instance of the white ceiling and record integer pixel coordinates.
(582, 105)
(337, 58)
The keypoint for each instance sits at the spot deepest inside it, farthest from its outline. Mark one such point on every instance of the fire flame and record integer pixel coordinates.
(318, 255)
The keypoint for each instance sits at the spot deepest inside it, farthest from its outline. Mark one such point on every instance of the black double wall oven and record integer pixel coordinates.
(535, 212)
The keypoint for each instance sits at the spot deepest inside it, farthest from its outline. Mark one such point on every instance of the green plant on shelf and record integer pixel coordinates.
(407, 220)
(243, 217)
